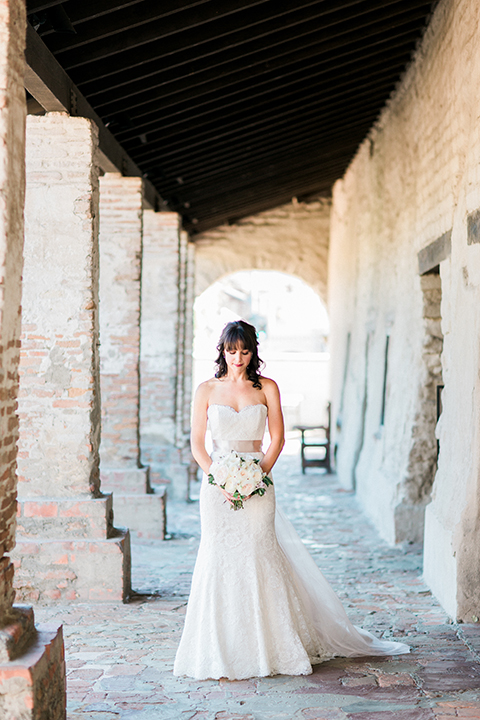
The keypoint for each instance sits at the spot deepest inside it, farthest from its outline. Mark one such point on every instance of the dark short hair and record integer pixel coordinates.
(237, 333)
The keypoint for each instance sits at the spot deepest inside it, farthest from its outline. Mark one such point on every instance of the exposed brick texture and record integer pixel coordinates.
(188, 339)
(136, 505)
(12, 144)
(167, 300)
(415, 180)
(32, 686)
(120, 270)
(32, 669)
(67, 547)
(59, 402)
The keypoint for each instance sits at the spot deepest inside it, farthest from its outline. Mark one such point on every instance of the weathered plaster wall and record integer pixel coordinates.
(292, 238)
(416, 178)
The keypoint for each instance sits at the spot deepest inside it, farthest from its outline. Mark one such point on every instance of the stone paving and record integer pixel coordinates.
(120, 657)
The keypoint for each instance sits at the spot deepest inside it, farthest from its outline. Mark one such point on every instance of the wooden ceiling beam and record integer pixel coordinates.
(331, 74)
(194, 186)
(268, 32)
(293, 169)
(255, 145)
(323, 105)
(34, 6)
(144, 18)
(255, 62)
(217, 21)
(178, 156)
(297, 153)
(88, 10)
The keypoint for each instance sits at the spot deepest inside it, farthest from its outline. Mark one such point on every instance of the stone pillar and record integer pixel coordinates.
(164, 329)
(68, 549)
(136, 505)
(188, 339)
(32, 667)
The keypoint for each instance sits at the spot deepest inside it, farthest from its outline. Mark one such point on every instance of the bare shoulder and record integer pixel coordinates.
(205, 389)
(270, 388)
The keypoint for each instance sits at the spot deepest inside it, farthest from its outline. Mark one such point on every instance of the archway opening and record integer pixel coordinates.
(293, 328)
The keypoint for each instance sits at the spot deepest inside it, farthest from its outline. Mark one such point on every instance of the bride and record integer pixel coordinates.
(258, 605)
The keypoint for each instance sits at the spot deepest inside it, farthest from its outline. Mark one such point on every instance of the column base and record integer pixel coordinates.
(128, 481)
(136, 504)
(68, 551)
(173, 470)
(32, 669)
(51, 571)
(144, 515)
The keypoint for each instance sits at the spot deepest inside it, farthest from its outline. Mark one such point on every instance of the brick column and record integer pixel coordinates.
(68, 549)
(32, 667)
(164, 328)
(188, 340)
(121, 225)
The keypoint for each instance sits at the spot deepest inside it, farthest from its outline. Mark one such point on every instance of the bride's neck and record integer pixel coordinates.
(234, 378)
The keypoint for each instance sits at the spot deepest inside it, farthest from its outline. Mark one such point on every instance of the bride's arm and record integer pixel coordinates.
(199, 428)
(275, 424)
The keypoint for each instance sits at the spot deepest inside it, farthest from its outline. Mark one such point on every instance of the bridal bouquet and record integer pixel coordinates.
(238, 476)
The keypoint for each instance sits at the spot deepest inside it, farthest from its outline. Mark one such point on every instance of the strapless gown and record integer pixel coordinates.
(258, 604)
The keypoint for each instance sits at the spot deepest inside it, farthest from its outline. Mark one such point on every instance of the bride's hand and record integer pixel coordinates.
(228, 495)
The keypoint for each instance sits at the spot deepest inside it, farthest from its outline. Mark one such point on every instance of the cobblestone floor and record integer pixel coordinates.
(120, 657)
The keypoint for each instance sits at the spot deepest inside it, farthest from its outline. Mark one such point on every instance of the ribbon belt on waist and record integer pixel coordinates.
(251, 446)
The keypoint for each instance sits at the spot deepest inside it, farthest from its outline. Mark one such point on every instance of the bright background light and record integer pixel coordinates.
(292, 324)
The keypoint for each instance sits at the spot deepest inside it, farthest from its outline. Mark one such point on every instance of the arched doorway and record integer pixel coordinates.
(292, 238)
(293, 327)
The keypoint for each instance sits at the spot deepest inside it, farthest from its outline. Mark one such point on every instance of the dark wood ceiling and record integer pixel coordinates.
(231, 107)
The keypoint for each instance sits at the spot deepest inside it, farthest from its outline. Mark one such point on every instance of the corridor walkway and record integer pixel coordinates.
(119, 657)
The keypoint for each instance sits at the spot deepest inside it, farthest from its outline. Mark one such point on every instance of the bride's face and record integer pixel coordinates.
(237, 358)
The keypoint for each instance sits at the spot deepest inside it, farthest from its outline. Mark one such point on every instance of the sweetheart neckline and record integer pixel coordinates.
(237, 412)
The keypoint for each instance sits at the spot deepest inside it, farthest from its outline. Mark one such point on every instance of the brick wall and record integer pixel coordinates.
(415, 180)
(188, 339)
(67, 548)
(34, 684)
(121, 219)
(162, 367)
(59, 402)
(12, 130)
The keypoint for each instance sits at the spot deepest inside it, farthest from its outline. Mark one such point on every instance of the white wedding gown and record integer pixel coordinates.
(259, 605)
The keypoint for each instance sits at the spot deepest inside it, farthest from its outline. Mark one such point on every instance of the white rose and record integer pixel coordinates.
(221, 475)
(230, 485)
(246, 488)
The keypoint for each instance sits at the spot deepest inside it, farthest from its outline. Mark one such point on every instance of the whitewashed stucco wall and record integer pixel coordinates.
(415, 178)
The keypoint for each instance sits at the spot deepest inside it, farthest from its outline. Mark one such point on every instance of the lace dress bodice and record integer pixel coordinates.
(259, 605)
(241, 430)
(246, 424)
